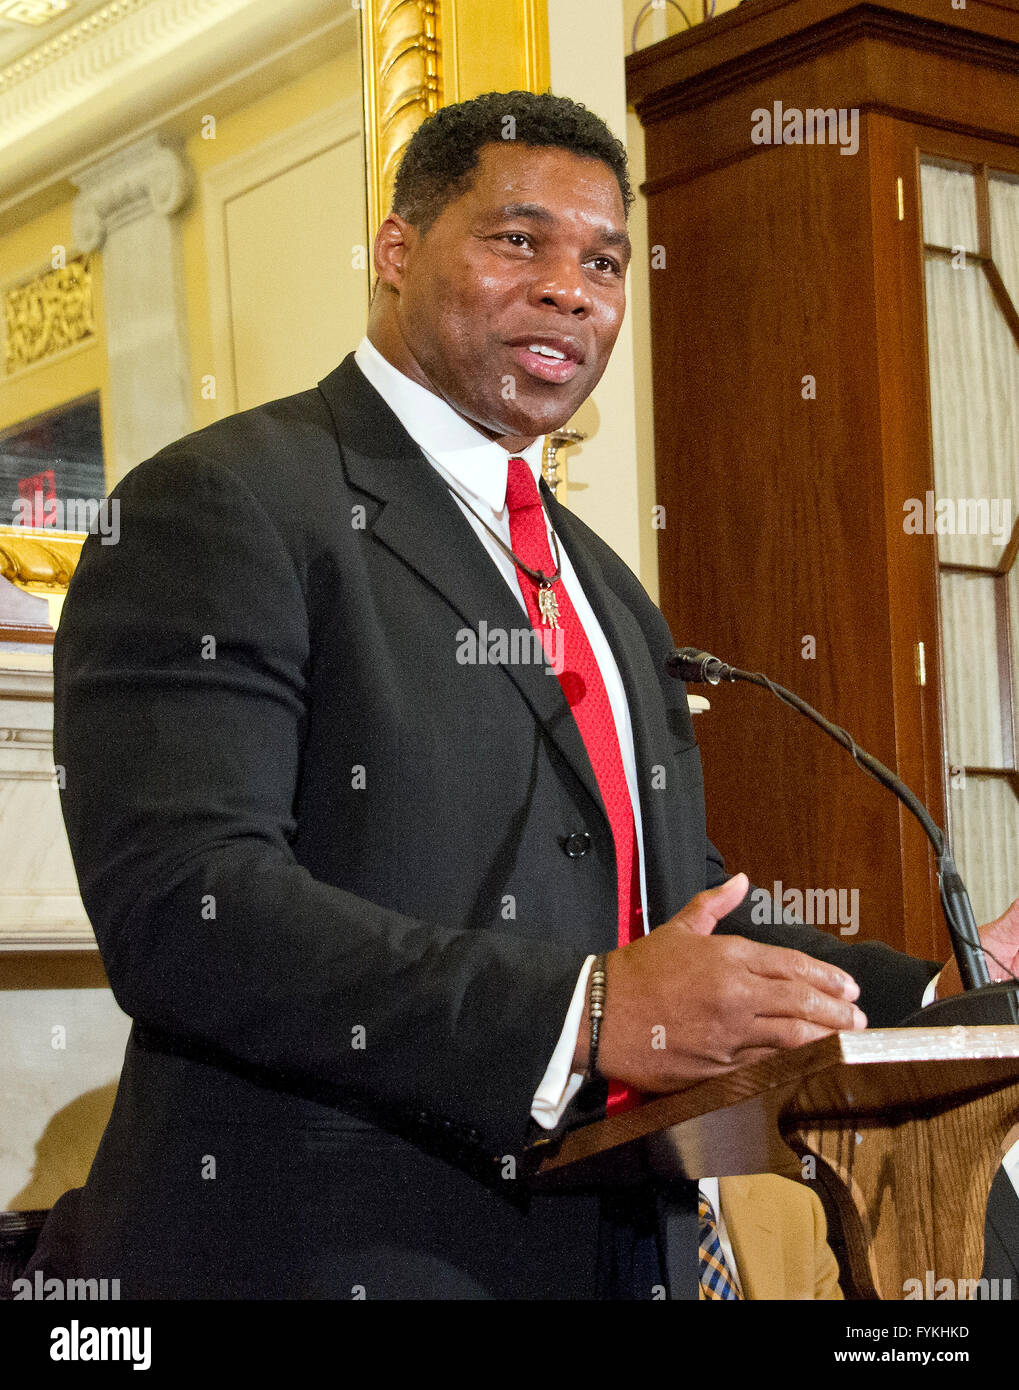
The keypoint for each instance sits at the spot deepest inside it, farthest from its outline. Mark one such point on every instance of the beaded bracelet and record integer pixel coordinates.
(596, 1010)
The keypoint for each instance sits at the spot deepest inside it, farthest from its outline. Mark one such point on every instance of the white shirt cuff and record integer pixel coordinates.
(928, 994)
(559, 1085)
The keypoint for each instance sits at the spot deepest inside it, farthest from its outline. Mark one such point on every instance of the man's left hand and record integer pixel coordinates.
(1001, 939)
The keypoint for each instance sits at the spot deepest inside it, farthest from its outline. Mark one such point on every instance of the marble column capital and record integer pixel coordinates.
(148, 177)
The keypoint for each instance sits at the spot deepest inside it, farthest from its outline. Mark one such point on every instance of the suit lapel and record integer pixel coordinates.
(420, 523)
(752, 1237)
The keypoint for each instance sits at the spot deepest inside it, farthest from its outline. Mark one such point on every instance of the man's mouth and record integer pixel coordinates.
(546, 361)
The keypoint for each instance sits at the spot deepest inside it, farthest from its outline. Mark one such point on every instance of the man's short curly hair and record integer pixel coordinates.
(441, 158)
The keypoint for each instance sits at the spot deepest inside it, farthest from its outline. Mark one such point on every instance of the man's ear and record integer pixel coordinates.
(394, 244)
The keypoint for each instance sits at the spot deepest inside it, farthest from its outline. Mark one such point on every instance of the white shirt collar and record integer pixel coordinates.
(475, 464)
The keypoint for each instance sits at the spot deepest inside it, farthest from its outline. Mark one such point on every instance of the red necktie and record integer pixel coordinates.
(585, 692)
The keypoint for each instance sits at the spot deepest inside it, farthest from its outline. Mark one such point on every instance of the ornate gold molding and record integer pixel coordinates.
(48, 314)
(39, 560)
(418, 55)
(403, 83)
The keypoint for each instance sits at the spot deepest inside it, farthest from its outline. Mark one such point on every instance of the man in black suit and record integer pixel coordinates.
(348, 879)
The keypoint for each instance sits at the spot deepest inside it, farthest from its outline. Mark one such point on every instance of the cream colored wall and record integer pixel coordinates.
(611, 475)
(62, 1048)
(292, 316)
(330, 304)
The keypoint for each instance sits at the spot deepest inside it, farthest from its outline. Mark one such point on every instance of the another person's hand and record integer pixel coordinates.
(1001, 939)
(682, 1004)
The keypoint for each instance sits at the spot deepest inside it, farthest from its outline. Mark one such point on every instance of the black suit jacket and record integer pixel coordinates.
(1001, 1238)
(325, 865)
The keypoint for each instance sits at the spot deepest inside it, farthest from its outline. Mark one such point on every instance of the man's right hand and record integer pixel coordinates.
(681, 1004)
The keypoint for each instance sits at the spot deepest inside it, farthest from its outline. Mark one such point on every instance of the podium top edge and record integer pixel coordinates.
(943, 1044)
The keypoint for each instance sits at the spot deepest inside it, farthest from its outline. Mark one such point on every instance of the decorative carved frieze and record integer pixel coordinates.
(67, 41)
(48, 314)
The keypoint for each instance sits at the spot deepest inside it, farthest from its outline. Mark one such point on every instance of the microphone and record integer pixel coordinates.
(688, 664)
(982, 1002)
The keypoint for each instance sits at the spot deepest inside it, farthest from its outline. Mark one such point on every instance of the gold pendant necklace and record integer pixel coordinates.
(548, 603)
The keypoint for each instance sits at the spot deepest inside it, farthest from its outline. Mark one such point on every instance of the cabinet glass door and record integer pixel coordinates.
(971, 237)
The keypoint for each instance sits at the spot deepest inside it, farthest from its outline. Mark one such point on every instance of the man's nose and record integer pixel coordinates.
(562, 284)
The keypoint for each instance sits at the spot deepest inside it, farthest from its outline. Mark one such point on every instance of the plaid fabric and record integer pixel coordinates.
(716, 1277)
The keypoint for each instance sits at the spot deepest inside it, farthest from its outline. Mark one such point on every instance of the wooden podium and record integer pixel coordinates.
(900, 1131)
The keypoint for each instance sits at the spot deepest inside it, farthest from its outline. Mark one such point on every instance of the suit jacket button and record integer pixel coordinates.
(577, 844)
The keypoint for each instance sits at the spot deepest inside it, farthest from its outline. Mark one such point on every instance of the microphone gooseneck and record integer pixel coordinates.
(695, 666)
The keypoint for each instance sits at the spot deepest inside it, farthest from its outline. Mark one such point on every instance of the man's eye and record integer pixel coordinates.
(607, 263)
(522, 236)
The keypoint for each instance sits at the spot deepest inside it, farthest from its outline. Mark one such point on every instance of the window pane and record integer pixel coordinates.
(1004, 196)
(948, 199)
(972, 698)
(974, 376)
(51, 465)
(985, 840)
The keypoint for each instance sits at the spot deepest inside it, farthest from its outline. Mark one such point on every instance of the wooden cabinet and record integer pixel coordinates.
(793, 422)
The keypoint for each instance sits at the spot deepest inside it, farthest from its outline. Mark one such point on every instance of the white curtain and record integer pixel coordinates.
(1004, 200)
(974, 386)
(948, 200)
